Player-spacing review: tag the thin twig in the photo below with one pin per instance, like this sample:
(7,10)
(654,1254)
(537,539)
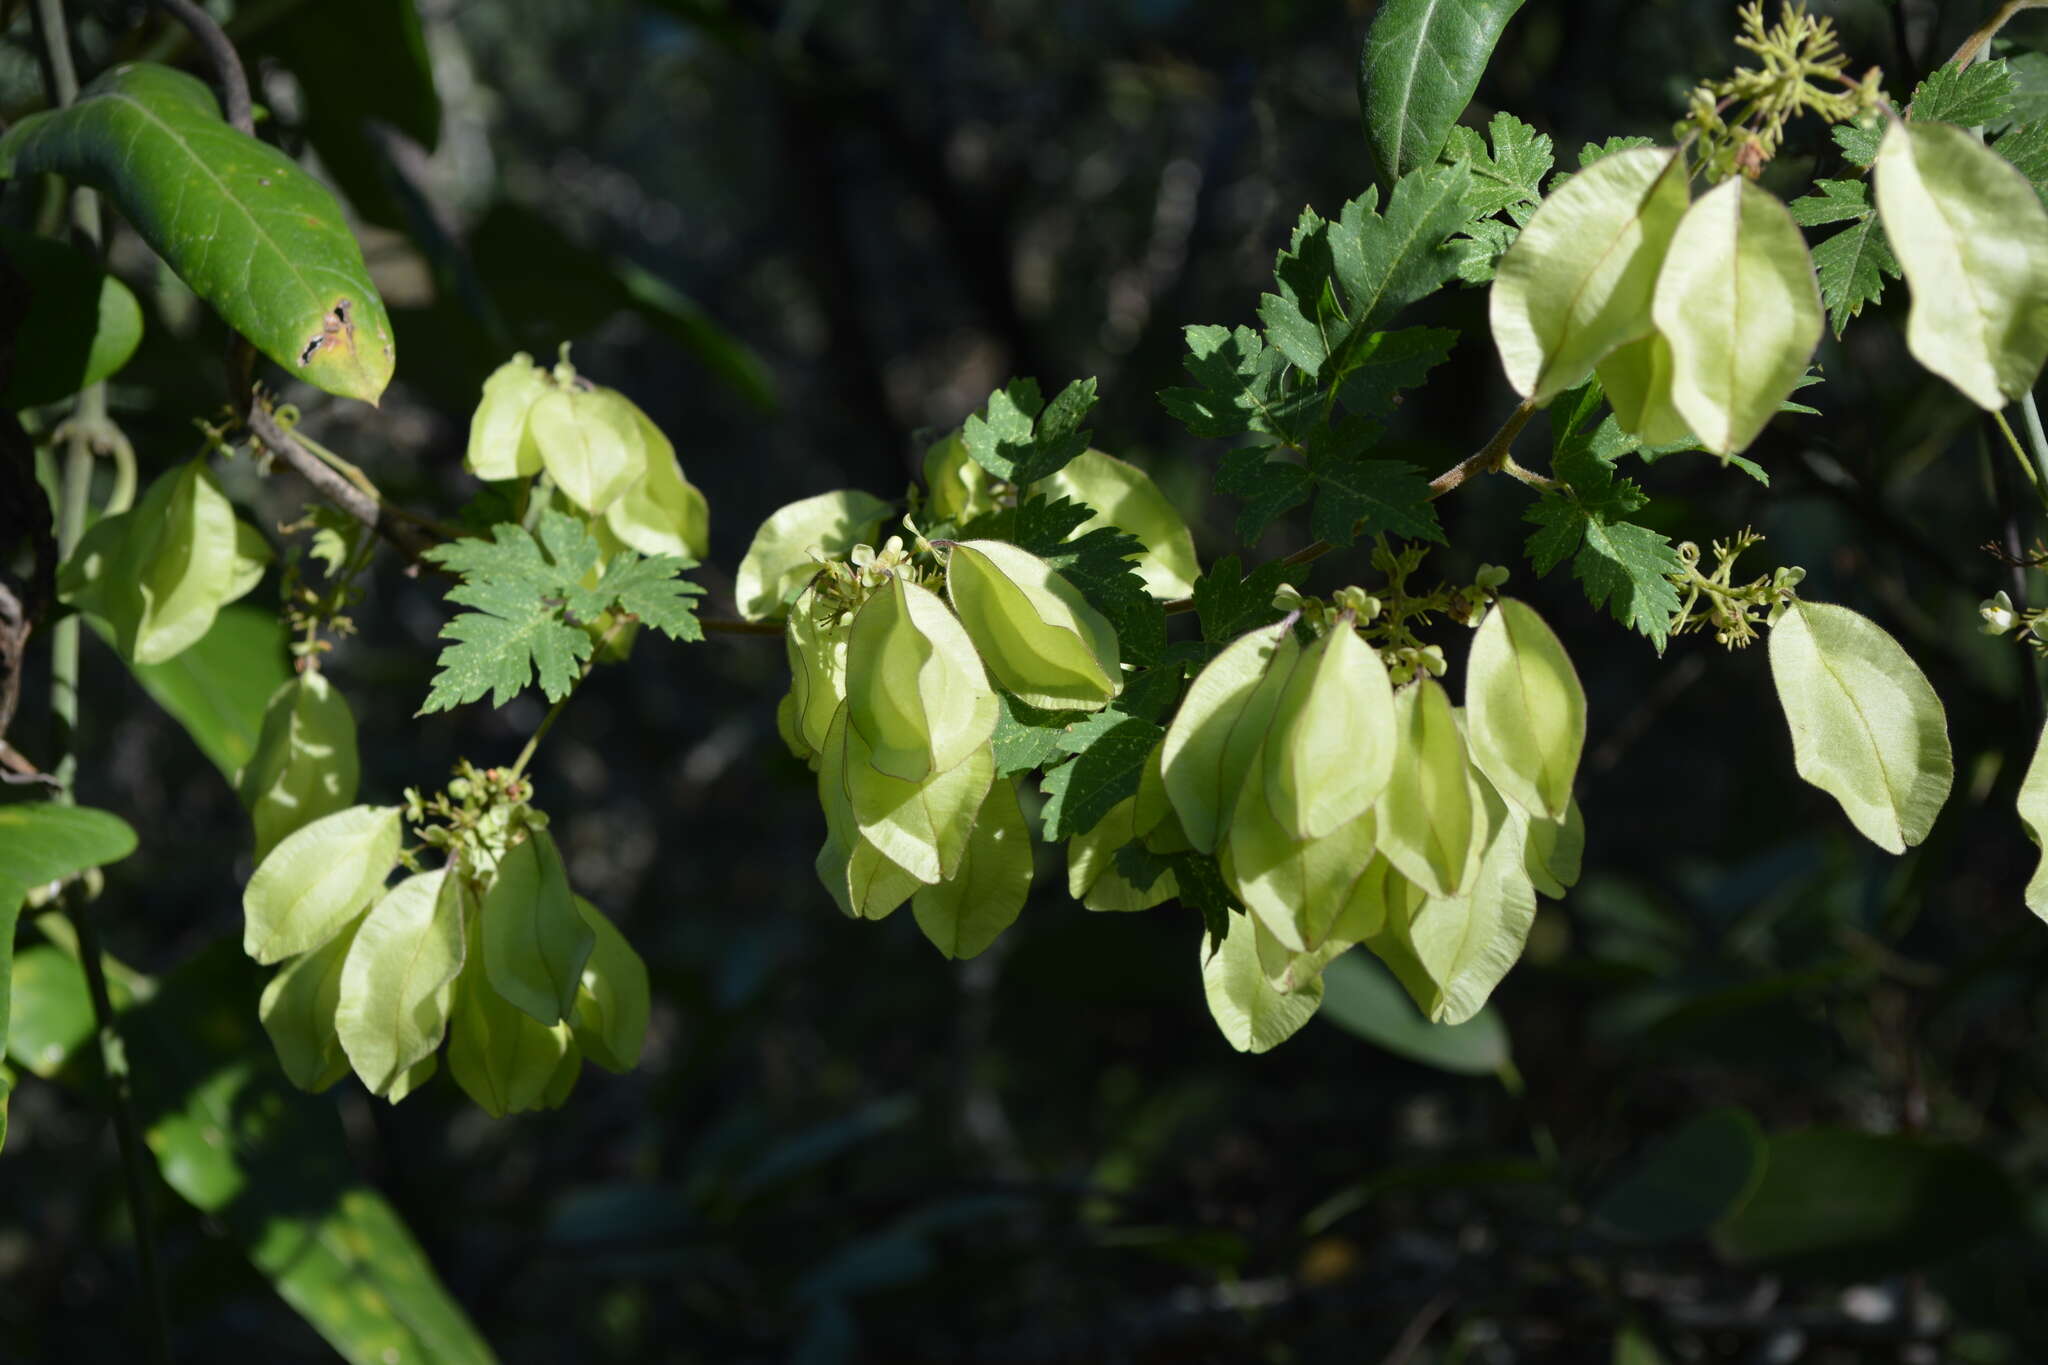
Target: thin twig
(366,507)
(227,63)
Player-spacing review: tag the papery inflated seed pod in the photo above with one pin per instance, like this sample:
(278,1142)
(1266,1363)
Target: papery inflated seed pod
(915,688)
(1525,710)
(1033,629)
(500,446)
(815,641)
(1330,749)
(1221,723)
(790,545)
(964,913)
(861,880)
(1432,824)
(610,1018)
(956,488)
(503,1058)
(1125,497)
(305,762)
(591,443)
(1296,888)
(535,944)
(661,512)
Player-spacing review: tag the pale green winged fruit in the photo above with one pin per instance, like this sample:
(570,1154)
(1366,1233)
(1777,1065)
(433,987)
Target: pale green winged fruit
(1637,381)
(1330,750)
(660,513)
(317,880)
(1036,633)
(1204,759)
(1971,237)
(957,489)
(535,944)
(297,1010)
(1555,850)
(305,762)
(1295,888)
(1525,711)
(500,446)
(815,640)
(610,1019)
(1432,827)
(1125,497)
(924,826)
(590,443)
(862,881)
(916,691)
(1740,308)
(2033,809)
(501,1056)
(397,984)
(1252,1015)
(795,540)
(965,913)
(1578,280)
(1867,727)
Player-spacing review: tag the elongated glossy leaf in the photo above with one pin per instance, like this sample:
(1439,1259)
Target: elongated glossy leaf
(1125,497)
(218,687)
(1867,727)
(963,915)
(1422,61)
(534,941)
(1740,307)
(610,1022)
(41,842)
(1360,997)
(2033,808)
(305,763)
(84,322)
(1431,824)
(271,1168)
(786,550)
(1252,1015)
(1578,281)
(1686,1181)
(298,1008)
(254,235)
(49,1010)
(317,880)
(1972,238)
(1525,711)
(397,981)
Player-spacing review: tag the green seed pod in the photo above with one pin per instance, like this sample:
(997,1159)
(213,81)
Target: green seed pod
(863,882)
(1221,723)
(590,442)
(397,984)
(500,446)
(610,1019)
(956,488)
(1296,888)
(1125,497)
(1039,637)
(1092,876)
(304,766)
(662,513)
(1432,823)
(535,944)
(297,1011)
(969,910)
(789,546)
(815,642)
(924,826)
(1330,751)
(1252,1015)
(1288,971)
(1554,850)
(500,1055)
(1525,710)
(1637,379)
(915,689)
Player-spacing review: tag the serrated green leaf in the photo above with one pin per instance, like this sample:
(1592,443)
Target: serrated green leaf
(1025,737)
(1852,266)
(254,236)
(1243,386)
(1228,605)
(651,590)
(1378,368)
(1018,437)
(1838,201)
(1356,496)
(1623,568)
(1110,749)
(1968,96)
(1508,177)
(1269,488)
(1124,497)
(1421,62)
(1867,727)
(2027,149)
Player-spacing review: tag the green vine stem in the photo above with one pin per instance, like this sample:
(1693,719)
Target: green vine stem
(88,430)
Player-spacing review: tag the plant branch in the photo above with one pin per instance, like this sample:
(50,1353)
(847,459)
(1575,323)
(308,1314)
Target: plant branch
(364,503)
(227,63)
(1489,458)
(1978,43)
(2019,454)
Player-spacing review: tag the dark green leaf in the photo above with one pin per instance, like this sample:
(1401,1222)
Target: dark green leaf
(254,235)
(1362,997)
(217,689)
(85,322)
(1018,438)
(2027,149)
(1100,565)
(1859,141)
(49,1016)
(1422,61)
(1025,736)
(41,842)
(1379,367)
(1356,496)
(1968,96)
(1687,1181)
(652,590)
(1857,1204)
(1269,488)
(1243,386)
(1852,265)
(1510,176)
(1838,201)
(1228,605)
(1110,749)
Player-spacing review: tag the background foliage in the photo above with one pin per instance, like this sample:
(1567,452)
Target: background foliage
(1756,1087)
